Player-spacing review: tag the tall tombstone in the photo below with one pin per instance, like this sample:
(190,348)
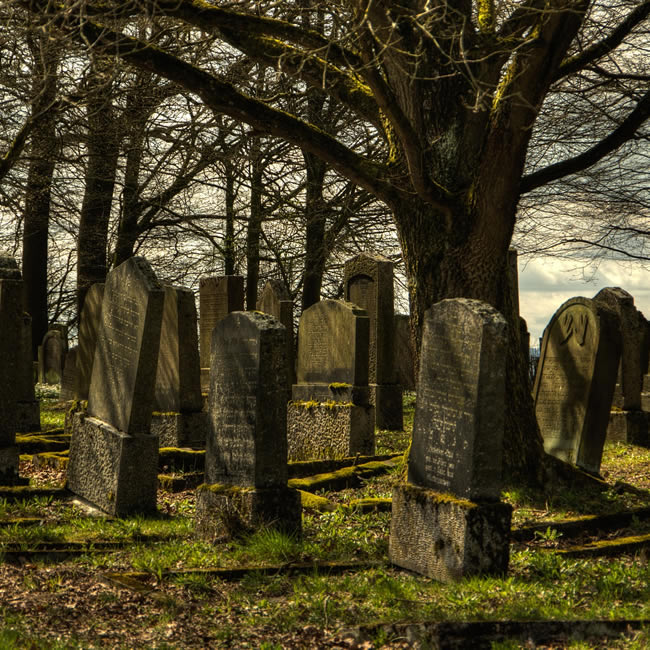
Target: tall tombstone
(368,282)
(627,422)
(404,361)
(276,301)
(28,415)
(178,419)
(330,414)
(447,521)
(91,315)
(113,456)
(11,359)
(246,452)
(576,376)
(51,356)
(218,296)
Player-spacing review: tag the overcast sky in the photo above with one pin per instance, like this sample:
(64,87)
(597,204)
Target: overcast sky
(545,283)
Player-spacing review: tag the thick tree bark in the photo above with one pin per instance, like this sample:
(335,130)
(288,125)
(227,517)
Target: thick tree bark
(254,227)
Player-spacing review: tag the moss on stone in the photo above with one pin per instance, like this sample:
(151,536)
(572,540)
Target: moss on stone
(425,494)
(221,488)
(311,501)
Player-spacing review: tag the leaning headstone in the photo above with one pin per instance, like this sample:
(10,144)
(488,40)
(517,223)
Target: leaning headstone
(178,420)
(51,356)
(11,361)
(575,380)
(28,415)
(218,296)
(113,455)
(404,362)
(276,301)
(330,414)
(69,379)
(368,283)
(447,521)
(246,452)
(91,315)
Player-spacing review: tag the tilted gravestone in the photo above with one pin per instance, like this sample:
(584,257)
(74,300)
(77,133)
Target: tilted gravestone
(90,319)
(218,296)
(276,301)
(246,451)
(12,358)
(575,380)
(28,415)
(447,521)
(627,422)
(368,283)
(51,356)
(69,378)
(330,415)
(113,456)
(178,419)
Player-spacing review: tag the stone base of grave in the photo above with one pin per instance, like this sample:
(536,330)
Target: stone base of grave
(228,511)
(446,538)
(9,459)
(115,471)
(317,430)
(630,427)
(180,429)
(28,416)
(387,400)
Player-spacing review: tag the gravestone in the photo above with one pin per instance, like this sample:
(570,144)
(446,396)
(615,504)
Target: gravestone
(246,451)
(404,362)
(218,296)
(276,301)
(575,380)
(51,356)
(28,414)
(368,283)
(91,315)
(178,420)
(330,415)
(69,379)
(12,360)
(447,521)
(113,456)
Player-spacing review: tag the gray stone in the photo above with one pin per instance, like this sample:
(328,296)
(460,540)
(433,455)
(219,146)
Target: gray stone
(330,414)
(276,301)
(218,296)
(187,429)
(575,380)
(460,405)
(90,319)
(51,357)
(246,450)
(404,358)
(445,538)
(368,283)
(630,427)
(178,387)
(113,456)
(69,378)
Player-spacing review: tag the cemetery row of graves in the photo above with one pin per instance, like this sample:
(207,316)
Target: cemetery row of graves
(198,486)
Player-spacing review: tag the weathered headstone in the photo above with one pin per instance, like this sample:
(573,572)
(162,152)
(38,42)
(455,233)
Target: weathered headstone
(276,301)
(51,356)
(404,362)
(69,378)
(218,296)
(177,419)
(246,452)
(91,315)
(368,283)
(28,415)
(330,415)
(447,521)
(11,361)
(113,455)
(575,380)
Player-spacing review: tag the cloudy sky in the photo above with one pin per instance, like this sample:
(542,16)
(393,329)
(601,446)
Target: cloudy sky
(545,283)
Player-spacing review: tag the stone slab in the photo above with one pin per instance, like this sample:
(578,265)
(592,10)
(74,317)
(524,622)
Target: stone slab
(445,538)
(180,429)
(631,427)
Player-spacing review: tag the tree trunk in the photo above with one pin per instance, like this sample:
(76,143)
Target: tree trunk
(38,190)
(229,256)
(254,227)
(101,170)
